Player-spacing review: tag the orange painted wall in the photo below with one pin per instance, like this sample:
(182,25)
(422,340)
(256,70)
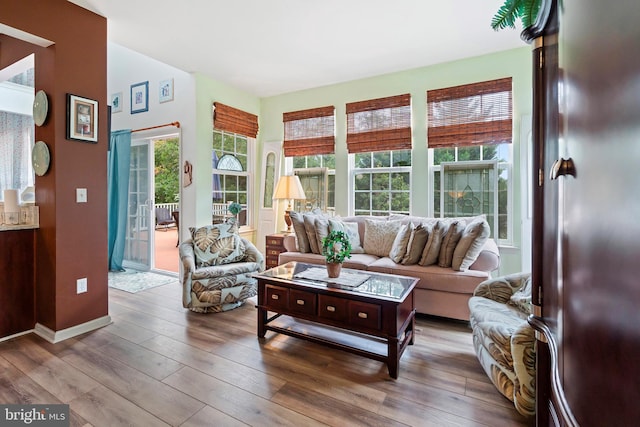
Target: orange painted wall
(72,240)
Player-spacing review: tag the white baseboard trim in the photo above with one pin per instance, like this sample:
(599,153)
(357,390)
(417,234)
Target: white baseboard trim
(57,336)
(16,335)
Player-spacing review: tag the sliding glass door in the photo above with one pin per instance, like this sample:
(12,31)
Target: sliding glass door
(140,226)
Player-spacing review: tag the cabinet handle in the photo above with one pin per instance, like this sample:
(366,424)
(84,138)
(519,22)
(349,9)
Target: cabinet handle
(362,315)
(300,302)
(274,296)
(331,308)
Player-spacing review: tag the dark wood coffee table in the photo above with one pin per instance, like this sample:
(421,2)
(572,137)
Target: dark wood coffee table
(375,319)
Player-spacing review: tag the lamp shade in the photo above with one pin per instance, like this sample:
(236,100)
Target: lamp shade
(289,187)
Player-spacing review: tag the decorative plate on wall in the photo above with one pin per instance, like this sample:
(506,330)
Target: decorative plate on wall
(40,158)
(40,108)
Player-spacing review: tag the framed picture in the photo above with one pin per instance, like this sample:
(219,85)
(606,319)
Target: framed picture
(140,97)
(116,102)
(82,118)
(166,91)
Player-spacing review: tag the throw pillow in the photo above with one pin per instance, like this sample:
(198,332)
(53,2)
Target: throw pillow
(416,244)
(379,236)
(310,229)
(400,243)
(217,244)
(351,228)
(521,299)
(322,230)
(471,243)
(431,250)
(449,242)
(297,220)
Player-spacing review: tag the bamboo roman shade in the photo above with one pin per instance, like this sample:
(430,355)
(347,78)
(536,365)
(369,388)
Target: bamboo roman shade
(309,132)
(379,124)
(231,119)
(477,113)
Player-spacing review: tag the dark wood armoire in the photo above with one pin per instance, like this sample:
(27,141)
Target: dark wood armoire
(586,229)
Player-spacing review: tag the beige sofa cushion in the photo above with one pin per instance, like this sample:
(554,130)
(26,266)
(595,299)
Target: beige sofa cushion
(471,243)
(431,250)
(400,243)
(379,236)
(297,220)
(416,244)
(449,242)
(322,230)
(310,229)
(351,228)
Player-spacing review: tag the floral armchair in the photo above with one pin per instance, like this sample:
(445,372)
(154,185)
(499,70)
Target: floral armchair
(218,269)
(503,339)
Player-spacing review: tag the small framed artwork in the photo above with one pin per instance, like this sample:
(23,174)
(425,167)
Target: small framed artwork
(82,118)
(116,102)
(166,91)
(140,97)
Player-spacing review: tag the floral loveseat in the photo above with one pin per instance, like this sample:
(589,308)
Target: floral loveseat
(502,338)
(450,256)
(218,268)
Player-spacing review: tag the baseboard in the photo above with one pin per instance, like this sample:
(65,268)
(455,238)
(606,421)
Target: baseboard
(16,335)
(57,336)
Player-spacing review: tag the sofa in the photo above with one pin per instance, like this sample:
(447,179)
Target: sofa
(450,256)
(218,268)
(504,341)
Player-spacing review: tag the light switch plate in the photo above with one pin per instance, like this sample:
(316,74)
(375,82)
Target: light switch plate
(81,285)
(81,195)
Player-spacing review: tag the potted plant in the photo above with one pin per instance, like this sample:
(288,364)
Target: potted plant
(513,10)
(234,208)
(336,247)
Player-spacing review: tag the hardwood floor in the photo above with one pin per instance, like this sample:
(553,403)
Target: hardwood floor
(159,364)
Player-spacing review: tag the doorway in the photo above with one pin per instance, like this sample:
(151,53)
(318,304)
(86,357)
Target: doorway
(154,201)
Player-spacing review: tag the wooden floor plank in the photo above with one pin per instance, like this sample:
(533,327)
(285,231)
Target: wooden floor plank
(240,404)
(146,392)
(160,364)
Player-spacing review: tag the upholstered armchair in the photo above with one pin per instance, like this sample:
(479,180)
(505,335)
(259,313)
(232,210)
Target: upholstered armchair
(502,338)
(218,267)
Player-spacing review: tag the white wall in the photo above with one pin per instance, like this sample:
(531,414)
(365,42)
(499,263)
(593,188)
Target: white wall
(127,67)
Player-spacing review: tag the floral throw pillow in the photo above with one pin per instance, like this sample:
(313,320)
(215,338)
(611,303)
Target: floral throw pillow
(217,244)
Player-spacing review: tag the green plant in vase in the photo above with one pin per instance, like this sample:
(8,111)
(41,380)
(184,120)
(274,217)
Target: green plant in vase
(336,247)
(234,209)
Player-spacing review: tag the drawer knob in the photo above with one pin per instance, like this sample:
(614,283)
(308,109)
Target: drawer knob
(331,308)
(274,296)
(300,302)
(362,315)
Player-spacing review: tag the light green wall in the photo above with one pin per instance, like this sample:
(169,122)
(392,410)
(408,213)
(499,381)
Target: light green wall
(208,91)
(514,63)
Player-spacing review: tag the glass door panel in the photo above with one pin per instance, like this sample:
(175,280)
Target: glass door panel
(139,225)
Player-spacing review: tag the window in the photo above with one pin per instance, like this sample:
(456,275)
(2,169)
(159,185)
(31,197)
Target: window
(232,158)
(469,136)
(379,139)
(309,139)
(17,131)
(382,183)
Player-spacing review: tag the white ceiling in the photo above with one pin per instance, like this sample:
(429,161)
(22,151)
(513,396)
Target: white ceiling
(270,47)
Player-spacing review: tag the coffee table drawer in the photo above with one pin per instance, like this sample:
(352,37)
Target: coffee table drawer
(302,302)
(333,308)
(364,314)
(276,296)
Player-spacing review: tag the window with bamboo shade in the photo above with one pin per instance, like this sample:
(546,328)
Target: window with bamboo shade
(229,119)
(471,114)
(381,124)
(309,132)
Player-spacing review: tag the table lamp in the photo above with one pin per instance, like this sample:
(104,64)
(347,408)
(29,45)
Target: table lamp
(289,188)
